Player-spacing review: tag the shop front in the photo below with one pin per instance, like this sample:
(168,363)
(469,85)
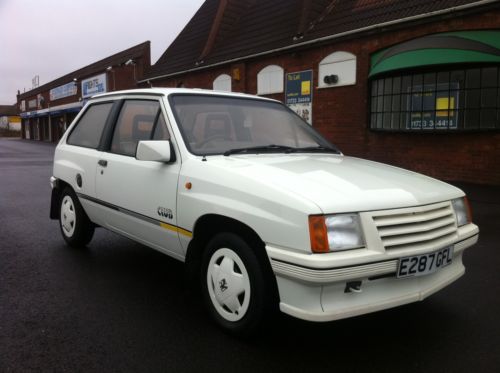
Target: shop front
(447,82)
(49,124)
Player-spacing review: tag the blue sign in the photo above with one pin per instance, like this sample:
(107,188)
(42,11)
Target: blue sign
(299,87)
(298,94)
(435,107)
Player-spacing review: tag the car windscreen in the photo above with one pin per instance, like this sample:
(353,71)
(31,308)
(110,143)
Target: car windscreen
(213,124)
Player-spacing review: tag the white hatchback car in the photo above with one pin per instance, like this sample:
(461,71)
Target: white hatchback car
(264,211)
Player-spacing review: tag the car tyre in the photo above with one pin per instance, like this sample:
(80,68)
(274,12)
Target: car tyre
(76,228)
(233,284)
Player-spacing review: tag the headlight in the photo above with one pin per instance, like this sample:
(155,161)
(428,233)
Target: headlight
(335,233)
(462,211)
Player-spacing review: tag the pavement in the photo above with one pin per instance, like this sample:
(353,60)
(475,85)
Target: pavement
(118,306)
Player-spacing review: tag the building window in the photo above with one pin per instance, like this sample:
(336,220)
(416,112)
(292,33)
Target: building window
(442,100)
(337,69)
(270,80)
(222,83)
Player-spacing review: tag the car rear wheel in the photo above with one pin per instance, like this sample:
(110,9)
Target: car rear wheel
(76,228)
(233,283)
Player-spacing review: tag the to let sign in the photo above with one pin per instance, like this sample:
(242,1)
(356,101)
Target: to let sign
(298,96)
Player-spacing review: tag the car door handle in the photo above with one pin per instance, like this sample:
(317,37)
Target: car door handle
(102,162)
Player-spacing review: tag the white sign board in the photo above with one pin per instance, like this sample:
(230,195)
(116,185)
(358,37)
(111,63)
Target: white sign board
(62,91)
(92,86)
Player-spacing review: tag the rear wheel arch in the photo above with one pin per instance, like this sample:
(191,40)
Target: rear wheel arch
(56,198)
(76,228)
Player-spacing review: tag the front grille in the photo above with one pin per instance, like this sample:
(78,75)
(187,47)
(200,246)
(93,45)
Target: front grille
(417,227)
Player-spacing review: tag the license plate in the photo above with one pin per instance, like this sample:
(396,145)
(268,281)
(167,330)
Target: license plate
(420,265)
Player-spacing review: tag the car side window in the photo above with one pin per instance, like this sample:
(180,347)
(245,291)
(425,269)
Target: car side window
(87,132)
(161,131)
(138,120)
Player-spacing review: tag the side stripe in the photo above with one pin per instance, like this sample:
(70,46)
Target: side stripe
(136,215)
(176,229)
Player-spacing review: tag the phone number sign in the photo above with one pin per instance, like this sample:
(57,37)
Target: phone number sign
(298,93)
(299,87)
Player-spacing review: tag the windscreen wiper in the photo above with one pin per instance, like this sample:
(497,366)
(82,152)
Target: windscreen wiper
(313,149)
(257,149)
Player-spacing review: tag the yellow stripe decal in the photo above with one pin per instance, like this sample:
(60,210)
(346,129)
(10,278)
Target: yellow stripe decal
(136,215)
(176,229)
(185,232)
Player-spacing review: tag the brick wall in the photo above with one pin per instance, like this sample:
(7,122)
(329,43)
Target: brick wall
(123,79)
(342,114)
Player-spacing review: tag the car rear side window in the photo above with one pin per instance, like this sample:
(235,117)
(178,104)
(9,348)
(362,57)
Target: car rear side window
(88,130)
(138,120)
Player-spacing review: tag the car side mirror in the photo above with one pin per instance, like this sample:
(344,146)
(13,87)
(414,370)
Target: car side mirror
(157,151)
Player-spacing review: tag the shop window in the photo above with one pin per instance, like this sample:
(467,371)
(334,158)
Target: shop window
(37,129)
(337,69)
(444,100)
(270,80)
(45,128)
(222,83)
(26,125)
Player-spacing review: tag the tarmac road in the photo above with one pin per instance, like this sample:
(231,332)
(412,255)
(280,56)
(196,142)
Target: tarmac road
(118,306)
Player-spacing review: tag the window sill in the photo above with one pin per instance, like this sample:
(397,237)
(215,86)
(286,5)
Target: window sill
(335,86)
(269,93)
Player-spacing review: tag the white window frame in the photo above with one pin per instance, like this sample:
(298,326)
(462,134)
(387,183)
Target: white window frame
(270,80)
(343,64)
(222,83)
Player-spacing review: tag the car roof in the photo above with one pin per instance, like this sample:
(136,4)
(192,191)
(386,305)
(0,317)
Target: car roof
(169,91)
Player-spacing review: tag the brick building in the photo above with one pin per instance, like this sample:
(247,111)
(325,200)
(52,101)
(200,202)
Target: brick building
(410,83)
(9,118)
(46,111)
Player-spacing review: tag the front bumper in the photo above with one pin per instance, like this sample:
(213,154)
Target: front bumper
(313,286)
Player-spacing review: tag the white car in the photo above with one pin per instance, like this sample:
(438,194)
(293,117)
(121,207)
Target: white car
(264,211)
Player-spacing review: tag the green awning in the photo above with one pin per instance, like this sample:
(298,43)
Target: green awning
(438,49)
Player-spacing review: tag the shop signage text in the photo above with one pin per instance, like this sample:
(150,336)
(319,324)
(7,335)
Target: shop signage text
(94,85)
(433,108)
(62,91)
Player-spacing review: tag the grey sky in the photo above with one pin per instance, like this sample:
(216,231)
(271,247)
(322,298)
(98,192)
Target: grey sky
(51,38)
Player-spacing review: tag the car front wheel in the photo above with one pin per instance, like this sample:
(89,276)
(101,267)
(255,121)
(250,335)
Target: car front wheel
(233,283)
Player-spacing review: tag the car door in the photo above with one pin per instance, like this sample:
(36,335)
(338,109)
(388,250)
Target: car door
(140,196)
(80,149)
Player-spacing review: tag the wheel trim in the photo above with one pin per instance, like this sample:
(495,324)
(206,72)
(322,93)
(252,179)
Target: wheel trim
(68,216)
(228,284)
